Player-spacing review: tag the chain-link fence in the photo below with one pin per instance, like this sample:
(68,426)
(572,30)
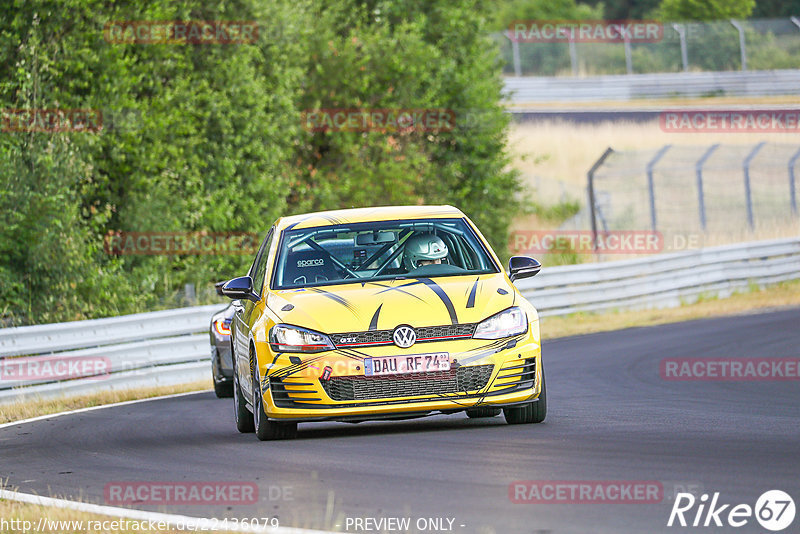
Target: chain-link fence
(758,44)
(713,189)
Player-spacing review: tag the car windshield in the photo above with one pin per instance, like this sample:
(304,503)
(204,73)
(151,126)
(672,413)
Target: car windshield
(381,250)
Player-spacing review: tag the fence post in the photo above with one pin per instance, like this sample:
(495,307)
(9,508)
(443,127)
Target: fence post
(650,185)
(573,55)
(742,48)
(628,55)
(747,194)
(681,29)
(792,191)
(698,167)
(514,53)
(590,176)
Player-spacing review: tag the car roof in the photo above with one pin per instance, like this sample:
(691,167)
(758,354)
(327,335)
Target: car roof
(357,215)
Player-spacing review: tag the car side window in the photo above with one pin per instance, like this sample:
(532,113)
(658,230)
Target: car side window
(260,265)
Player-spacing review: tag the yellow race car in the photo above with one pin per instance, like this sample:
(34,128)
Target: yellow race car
(381,313)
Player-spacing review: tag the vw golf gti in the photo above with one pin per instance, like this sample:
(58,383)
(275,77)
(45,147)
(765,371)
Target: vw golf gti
(381,313)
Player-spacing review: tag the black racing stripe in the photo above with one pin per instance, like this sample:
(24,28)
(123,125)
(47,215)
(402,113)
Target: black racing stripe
(400,289)
(373,324)
(436,288)
(353,354)
(295,368)
(471,299)
(336,298)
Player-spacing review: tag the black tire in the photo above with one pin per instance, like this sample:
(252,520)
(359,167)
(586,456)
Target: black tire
(477,413)
(244,419)
(533,412)
(222,389)
(267,430)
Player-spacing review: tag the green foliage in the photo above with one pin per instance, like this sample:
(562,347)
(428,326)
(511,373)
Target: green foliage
(680,10)
(776,8)
(211,138)
(555,213)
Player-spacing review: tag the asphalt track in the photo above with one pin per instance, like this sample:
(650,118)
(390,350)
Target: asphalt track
(611,417)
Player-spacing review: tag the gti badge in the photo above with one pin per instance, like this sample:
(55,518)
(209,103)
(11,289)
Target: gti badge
(404,336)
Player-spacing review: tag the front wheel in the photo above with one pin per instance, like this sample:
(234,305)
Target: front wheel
(267,430)
(533,412)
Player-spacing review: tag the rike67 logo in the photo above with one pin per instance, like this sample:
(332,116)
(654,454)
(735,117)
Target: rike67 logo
(774,510)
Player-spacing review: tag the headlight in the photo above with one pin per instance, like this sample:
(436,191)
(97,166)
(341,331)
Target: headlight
(285,338)
(507,323)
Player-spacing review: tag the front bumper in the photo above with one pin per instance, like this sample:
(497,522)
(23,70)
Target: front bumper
(490,373)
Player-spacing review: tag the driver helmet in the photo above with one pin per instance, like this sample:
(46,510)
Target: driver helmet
(423,247)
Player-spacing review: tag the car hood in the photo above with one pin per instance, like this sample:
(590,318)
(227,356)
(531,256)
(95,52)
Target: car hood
(382,305)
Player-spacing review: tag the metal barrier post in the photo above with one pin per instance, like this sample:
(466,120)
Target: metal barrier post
(650,184)
(681,29)
(747,194)
(573,56)
(698,167)
(628,55)
(742,49)
(792,191)
(590,176)
(515,54)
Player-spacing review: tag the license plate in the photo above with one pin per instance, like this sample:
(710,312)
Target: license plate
(412,363)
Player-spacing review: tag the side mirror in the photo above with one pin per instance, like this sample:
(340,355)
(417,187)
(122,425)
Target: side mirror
(240,288)
(523,267)
(218,288)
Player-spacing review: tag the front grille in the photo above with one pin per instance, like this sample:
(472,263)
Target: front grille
(384,337)
(463,379)
(445,331)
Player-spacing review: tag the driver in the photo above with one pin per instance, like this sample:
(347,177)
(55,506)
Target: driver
(423,249)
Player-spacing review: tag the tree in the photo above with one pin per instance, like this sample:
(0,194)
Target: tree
(680,10)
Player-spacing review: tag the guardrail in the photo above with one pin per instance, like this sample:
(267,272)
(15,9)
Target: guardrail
(623,87)
(664,280)
(140,350)
(172,346)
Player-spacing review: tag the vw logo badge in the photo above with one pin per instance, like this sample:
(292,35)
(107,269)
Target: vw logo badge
(404,336)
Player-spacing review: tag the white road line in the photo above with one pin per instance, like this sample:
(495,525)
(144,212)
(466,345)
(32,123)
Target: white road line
(185,522)
(92,408)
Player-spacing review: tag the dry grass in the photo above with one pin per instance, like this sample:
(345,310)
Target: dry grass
(554,157)
(23,410)
(550,152)
(778,296)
